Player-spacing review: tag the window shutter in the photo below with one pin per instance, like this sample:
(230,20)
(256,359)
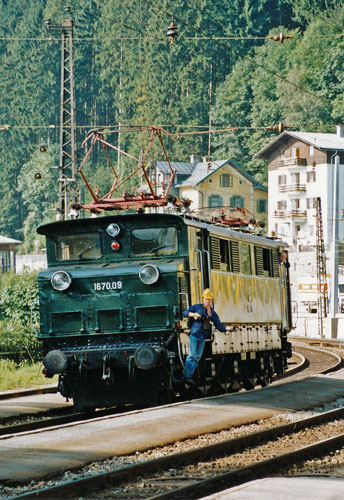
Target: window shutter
(235,256)
(259,261)
(275,263)
(215,253)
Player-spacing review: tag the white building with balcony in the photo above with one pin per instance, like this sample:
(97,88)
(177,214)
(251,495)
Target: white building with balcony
(301,167)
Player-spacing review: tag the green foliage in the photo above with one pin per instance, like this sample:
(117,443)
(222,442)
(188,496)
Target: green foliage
(127,73)
(13,376)
(18,293)
(298,83)
(37,183)
(304,11)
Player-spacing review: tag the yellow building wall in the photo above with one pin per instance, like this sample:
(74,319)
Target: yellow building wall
(241,186)
(259,194)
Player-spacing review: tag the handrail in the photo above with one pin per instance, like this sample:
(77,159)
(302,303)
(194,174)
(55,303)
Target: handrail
(201,265)
(209,270)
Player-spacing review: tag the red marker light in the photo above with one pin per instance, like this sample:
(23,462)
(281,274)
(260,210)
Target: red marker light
(115,245)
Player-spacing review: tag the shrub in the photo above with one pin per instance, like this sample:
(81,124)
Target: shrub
(26,375)
(17,293)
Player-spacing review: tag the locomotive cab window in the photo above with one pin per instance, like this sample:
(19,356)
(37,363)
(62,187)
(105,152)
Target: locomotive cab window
(225,263)
(154,240)
(267,263)
(78,246)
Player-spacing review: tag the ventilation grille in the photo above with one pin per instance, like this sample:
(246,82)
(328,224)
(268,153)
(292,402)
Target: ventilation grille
(235,256)
(275,263)
(259,261)
(183,284)
(109,320)
(215,253)
(67,322)
(151,317)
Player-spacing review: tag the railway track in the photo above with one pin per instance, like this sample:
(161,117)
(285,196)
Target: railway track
(320,342)
(178,476)
(309,360)
(317,360)
(31,391)
(43,423)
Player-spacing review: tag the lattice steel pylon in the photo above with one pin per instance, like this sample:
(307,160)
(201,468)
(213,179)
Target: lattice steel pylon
(321,270)
(67,178)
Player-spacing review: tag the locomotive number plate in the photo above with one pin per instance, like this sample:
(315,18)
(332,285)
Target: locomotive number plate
(103,286)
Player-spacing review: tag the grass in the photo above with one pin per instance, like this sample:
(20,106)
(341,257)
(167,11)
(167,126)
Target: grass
(13,376)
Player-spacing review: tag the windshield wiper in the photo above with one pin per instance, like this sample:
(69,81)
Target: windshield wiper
(162,246)
(86,250)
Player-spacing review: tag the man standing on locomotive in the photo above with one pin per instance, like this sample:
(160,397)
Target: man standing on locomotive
(202,315)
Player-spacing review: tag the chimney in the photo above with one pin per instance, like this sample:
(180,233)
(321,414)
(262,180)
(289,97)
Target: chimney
(206,159)
(195,159)
(340,130)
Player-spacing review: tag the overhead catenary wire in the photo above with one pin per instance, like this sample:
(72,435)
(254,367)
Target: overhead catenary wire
(199,31)
(204,37)
(248,58)
(133,128)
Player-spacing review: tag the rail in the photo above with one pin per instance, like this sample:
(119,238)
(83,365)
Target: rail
(214,483)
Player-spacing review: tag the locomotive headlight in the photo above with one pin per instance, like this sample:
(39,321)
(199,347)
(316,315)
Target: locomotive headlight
(113,230)
(149,274)
(61,280)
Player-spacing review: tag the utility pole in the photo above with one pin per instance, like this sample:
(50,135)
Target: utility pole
(321,270)
(334,245)
(67,179)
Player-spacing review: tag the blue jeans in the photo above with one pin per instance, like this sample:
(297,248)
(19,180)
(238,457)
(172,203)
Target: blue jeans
(196,346)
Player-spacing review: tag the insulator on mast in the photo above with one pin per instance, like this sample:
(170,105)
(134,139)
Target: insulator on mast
(172,32)
(279,127)
(279,38)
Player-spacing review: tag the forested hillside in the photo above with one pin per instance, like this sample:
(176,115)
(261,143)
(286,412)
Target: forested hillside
(221,71)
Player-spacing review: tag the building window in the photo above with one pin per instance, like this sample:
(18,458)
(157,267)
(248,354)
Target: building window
(295,204)
(261,206)
(226,180)
(282,180)
(5,260)
(311,150)
(215,201)
(236,201)
(295,152)
(282,205)
(282,153)
(295,178)
(311,203)
(311,176)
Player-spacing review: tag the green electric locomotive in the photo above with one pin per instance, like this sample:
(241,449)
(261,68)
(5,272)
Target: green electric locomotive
(112,301)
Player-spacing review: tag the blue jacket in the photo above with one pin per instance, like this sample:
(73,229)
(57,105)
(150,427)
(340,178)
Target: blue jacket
(197,325)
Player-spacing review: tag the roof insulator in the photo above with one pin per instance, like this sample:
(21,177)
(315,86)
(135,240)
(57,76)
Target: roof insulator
(279,38)
(172,32)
